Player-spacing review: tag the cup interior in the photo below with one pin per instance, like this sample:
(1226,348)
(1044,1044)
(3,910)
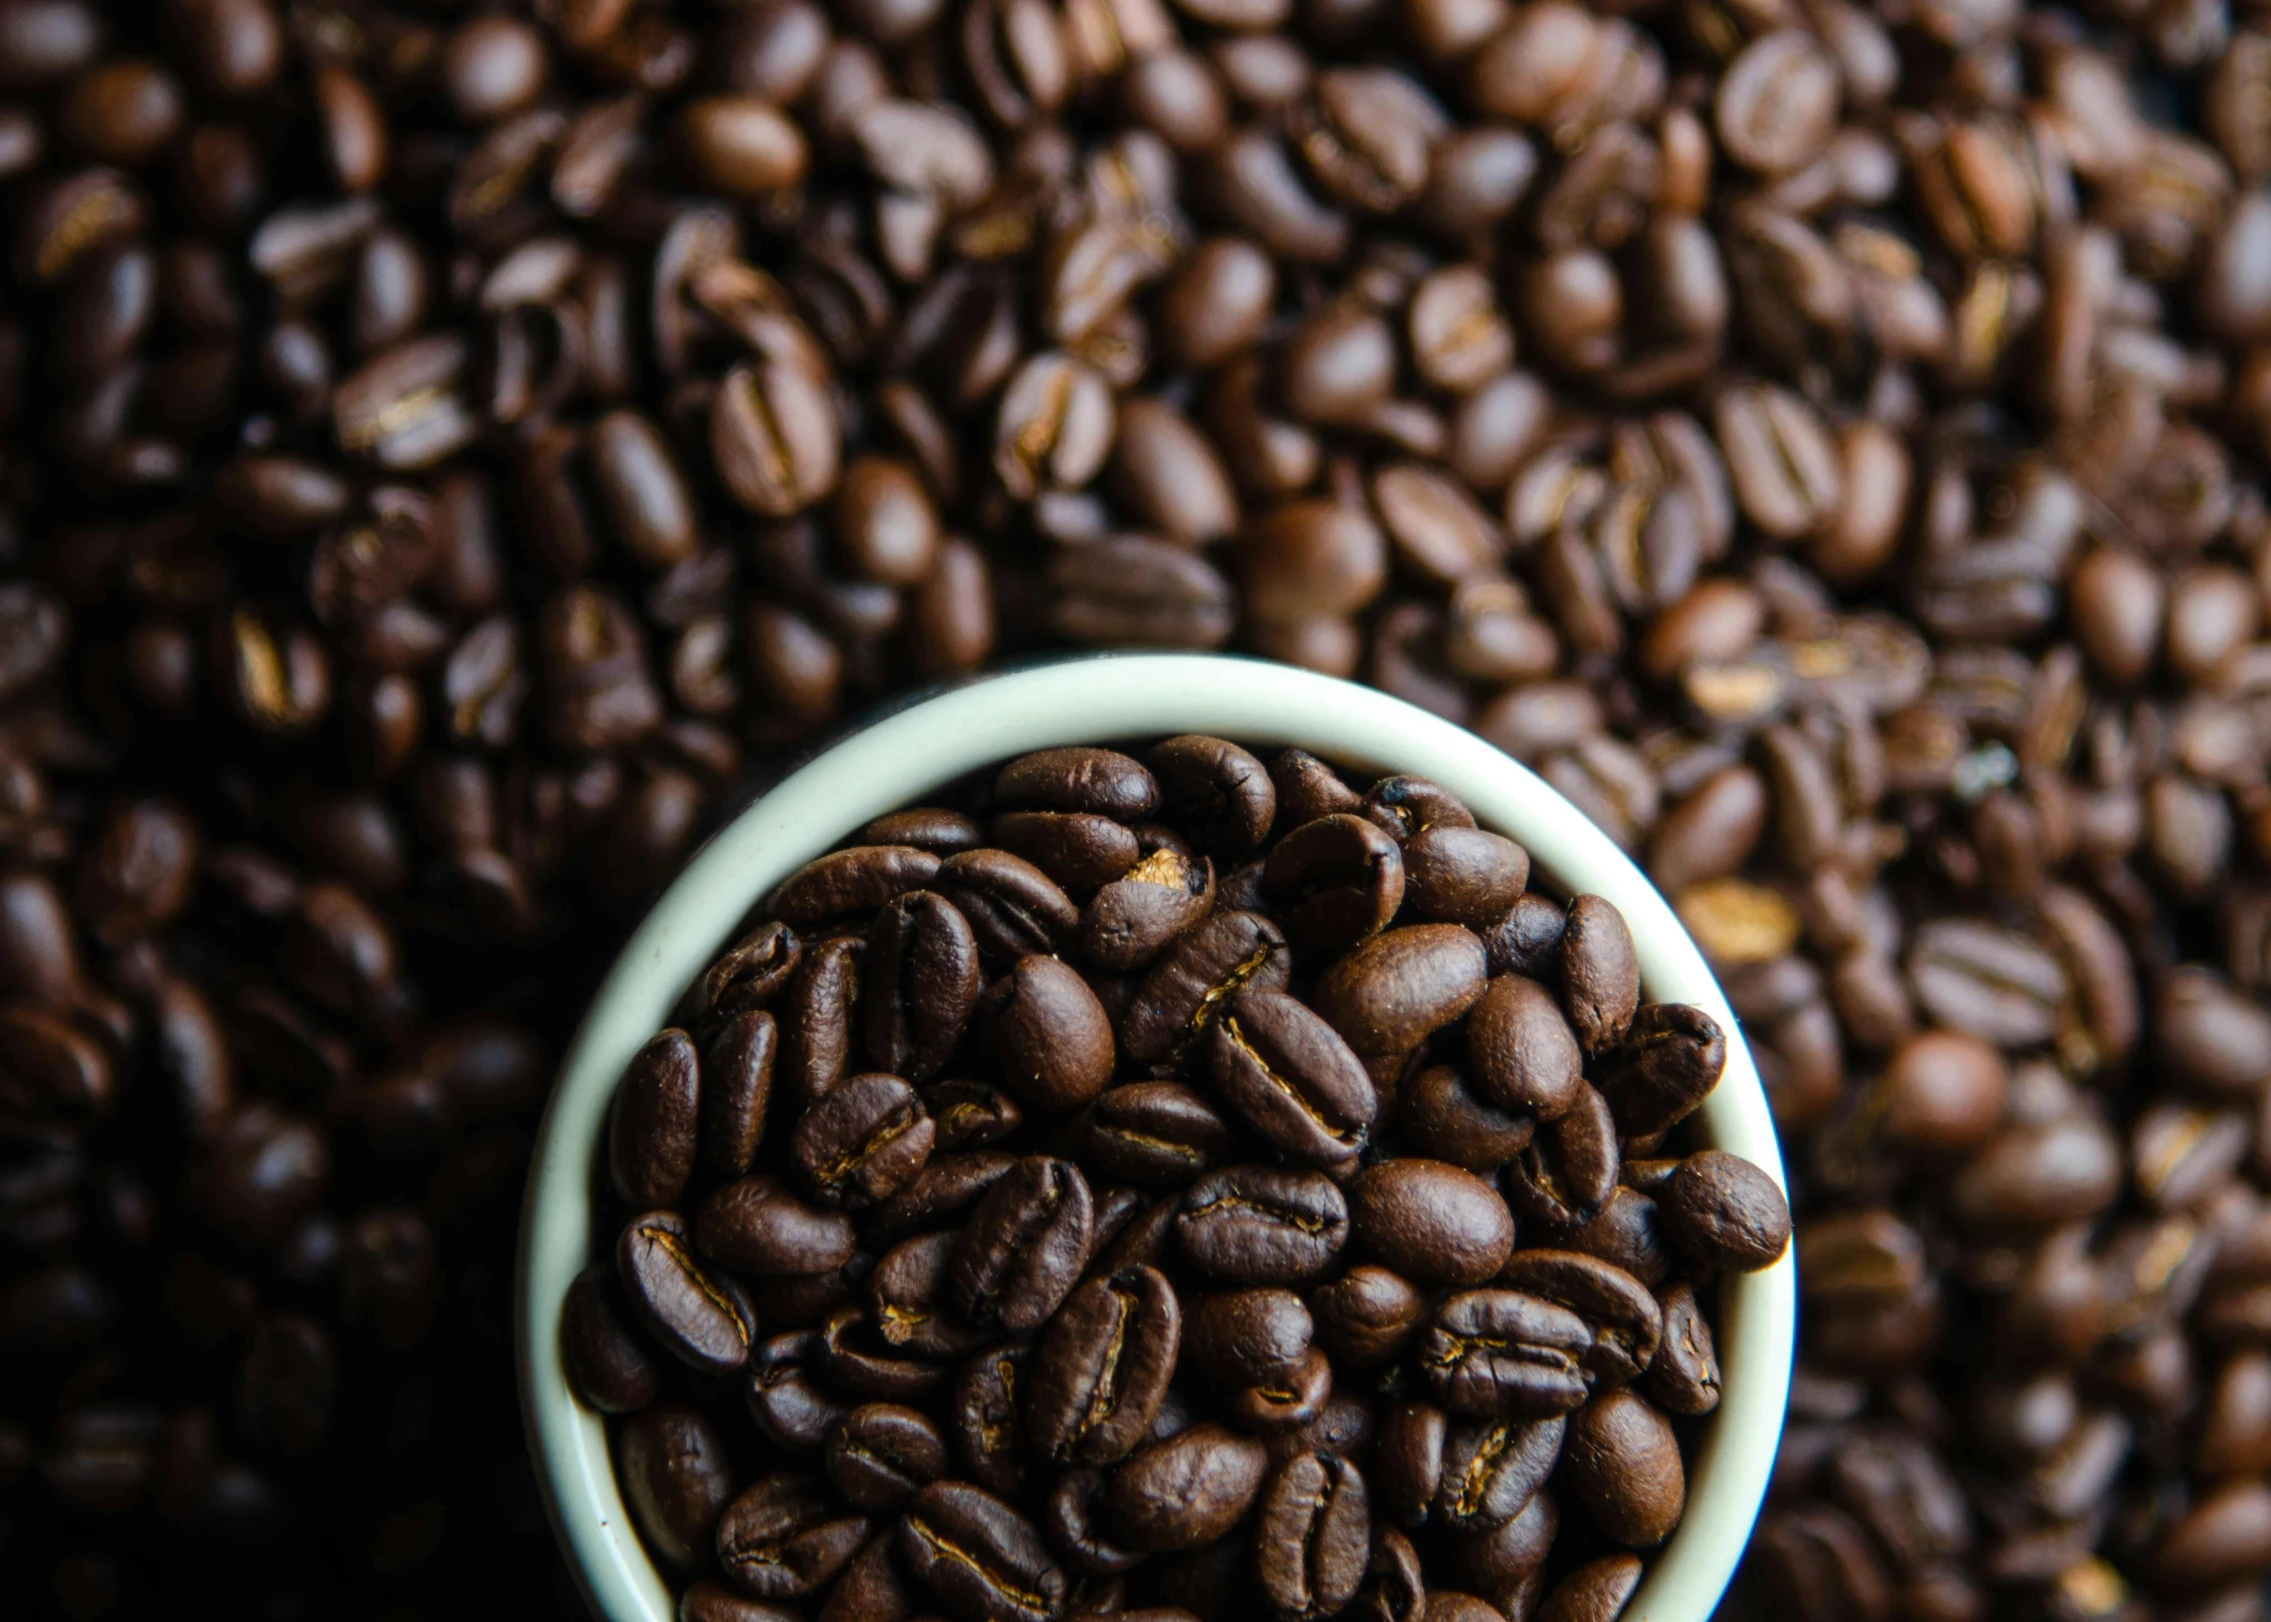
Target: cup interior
(918,749)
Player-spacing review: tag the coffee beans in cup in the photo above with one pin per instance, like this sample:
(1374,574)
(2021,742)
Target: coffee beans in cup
(1165,1180)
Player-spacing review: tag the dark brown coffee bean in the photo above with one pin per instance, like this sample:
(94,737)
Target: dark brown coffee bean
(676,1480)
(1334,881)
(610,1369)
(754,971)
(1243,1337)
(1439,1115)
(651,1131)
(755,1225)
(1184,991)
(1463,875)
(1187,1490)
(1078,849)
(1313,1535)
(910,1306)
(1261,1225)
(1156,1134)
(1683,1378)
(1101,781)
(1527,940)
(781,1537)
(1049,1035)
(1218,790)
(922,982)
(1600,977)
(1720,1208)
(1073,1519)
(846,883)
(1291,1079)
(1024,1246)
(1129,921)
(784,1395)
(1595,1592)
(985,1416)
(1492,1469)
(1521,1051)
(1430,1221)
(817,1016)
(1565,1176)
(983,1560)
(1626,1322)
(1667,1064)
(1101,1373)
(1013,907)
(1368,1315)
(700,1316)
(1398,988)
(1624,1468)
(1499,1352)
(737,1085)
(862,1141)
(882,1453)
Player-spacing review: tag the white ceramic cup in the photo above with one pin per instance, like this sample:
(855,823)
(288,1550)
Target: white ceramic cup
(909,754)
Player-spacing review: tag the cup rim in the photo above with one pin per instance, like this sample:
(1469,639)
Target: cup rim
(921,746)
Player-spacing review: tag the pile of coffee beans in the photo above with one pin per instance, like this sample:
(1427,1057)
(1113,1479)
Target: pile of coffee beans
(448,447)
(1177,1185)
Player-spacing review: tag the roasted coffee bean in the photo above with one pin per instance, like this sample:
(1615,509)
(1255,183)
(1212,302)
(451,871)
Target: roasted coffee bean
(1430,1221)
(910,1300)
(755,1225)
(1397,989)
(862,1141)
(1683,1377)
(986,1418)
(1600,978)
(1527,940)
(1368,1315)
(1667,1064)
(1723,1209)
(881,1453)
(1187,1490)
(1261,1225)
(1595,1592)
(1624,1468)
(1024,1246)
(1101,781)
(1130,920)
(753,972)
(609,1366)
(983,1560)
(1463,875)
(1499,1352)
(1185,990)
(701,1316)
(818,1014)
(1312,1536)
(1011,906)
(922,982)
(1439,1114)
(1049,1034)
(1078,849)
(1493,1468)
(1072,1518)
(1565,1176)
(1290,1078)
(1156,1134)
(1216,789)
(850,882)
(1626,1322)
(676,1480)
(1627,1232)
(1521,1051)
(1247,1336)
(784,1396)
(1334,880)
(781,1538)
(737,1087)
(652,1132)
(1101,1373)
